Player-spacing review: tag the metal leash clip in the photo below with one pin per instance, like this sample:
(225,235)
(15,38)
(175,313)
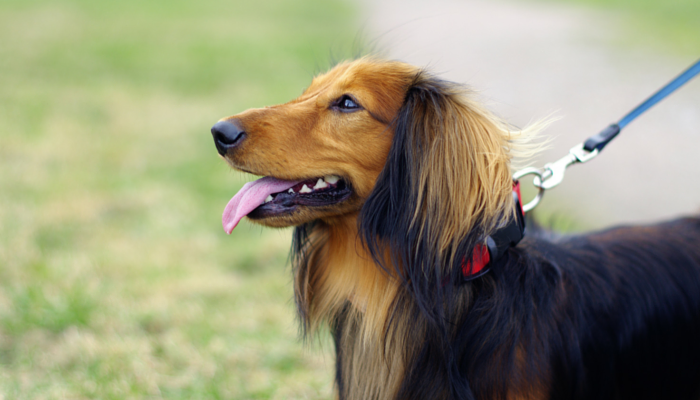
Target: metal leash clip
(553,173)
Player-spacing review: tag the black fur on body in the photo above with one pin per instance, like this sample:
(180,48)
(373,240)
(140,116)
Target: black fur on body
(609,315)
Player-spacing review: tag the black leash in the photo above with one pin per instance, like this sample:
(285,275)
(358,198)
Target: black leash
(553,173)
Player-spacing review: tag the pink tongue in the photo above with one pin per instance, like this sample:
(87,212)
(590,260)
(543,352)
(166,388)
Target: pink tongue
(250,197)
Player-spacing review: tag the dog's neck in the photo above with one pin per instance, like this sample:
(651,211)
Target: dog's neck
(351,266)
(333,268)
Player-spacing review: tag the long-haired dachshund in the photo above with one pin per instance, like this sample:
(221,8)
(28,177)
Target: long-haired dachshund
(394,181)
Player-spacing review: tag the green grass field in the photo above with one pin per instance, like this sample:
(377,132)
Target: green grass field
(116,278)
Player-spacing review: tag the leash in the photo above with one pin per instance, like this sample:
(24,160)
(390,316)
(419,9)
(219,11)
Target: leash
(484,255)
(553,173)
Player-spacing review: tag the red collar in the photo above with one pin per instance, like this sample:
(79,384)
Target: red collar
(497,244)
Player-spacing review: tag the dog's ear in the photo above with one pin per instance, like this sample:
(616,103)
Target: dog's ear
(446,184)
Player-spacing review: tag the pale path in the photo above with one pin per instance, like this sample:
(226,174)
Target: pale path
(530,60)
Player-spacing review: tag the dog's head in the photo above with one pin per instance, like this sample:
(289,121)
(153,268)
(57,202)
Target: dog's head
(413,153)
(320,153)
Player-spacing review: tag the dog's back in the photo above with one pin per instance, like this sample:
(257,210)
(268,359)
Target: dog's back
(626,303)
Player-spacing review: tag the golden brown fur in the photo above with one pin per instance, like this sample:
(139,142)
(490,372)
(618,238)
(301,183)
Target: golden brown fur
(303,139)
(463,185)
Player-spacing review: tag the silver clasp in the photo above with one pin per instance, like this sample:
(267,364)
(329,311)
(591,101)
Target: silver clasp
(537,179)
(553,173)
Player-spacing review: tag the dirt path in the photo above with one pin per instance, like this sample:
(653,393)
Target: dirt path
(530,60)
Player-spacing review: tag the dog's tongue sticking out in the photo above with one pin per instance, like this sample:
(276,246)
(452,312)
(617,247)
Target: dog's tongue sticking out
(251,195)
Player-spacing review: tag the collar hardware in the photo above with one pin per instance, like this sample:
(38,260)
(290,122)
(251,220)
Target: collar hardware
(497,244)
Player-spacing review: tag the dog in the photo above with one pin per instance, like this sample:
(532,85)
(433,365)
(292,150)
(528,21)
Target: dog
(394,180)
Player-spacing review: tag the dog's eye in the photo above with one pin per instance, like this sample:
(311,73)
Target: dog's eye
(346,104)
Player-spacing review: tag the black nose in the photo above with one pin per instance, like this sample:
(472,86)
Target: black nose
(227,135)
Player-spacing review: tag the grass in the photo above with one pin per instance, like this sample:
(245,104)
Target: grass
(667,26)
(116,279)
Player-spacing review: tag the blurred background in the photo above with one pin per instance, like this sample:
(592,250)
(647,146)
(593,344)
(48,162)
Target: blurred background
(116,278)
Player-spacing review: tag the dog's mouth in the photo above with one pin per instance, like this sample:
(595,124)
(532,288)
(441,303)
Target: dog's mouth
(269,197)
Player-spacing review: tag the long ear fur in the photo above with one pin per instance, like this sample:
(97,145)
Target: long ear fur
(446,185)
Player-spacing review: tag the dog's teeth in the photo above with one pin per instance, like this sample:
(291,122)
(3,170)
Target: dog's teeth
(268,199)
(332,179)
(290,191)
(305,189)
(321,184)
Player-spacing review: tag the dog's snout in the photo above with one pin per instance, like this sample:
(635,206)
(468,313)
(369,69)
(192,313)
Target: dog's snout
(227,135)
